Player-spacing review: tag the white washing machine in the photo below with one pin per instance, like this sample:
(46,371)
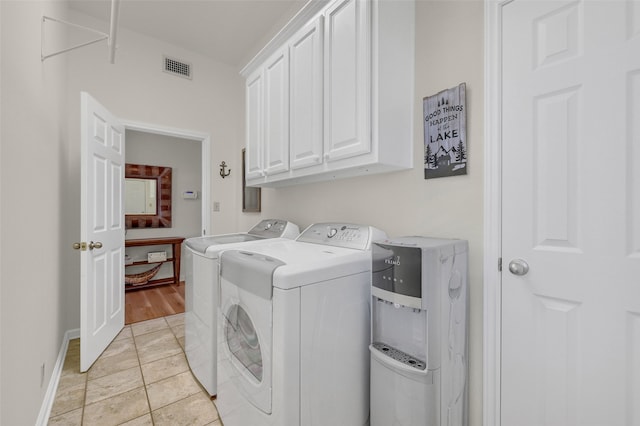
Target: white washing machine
(296,329)
(202,292)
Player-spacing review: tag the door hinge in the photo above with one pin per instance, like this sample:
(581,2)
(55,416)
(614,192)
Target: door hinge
(500,264)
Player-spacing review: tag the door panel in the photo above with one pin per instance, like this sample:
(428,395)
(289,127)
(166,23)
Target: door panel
(102,217)
(306,96)
(276,131)
(254,128)
(570,210)
(347,80)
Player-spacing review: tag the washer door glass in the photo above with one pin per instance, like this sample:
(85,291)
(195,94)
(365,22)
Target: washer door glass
(242,340)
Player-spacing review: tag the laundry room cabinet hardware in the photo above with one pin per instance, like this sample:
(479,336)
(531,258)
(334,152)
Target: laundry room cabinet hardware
(176,247)
(331,96)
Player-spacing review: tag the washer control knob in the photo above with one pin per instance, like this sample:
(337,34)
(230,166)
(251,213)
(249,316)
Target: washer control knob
(332,232)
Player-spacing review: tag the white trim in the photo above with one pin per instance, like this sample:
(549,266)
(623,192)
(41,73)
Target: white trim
(50,395)
(206,186)
(206,160)
(1,210)
(492,213)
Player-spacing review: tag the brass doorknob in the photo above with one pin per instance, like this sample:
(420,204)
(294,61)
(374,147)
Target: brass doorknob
(97,245)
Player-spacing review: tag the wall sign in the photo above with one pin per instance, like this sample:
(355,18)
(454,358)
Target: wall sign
(445,133)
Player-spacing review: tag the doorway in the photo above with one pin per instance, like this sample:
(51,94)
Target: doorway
(188,156)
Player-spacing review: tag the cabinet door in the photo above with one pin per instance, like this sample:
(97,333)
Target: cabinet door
(347,79)
(305,58)
(276,130)
(255,110)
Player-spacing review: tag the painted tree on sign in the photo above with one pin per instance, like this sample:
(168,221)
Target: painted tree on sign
(461,153)
(428,156)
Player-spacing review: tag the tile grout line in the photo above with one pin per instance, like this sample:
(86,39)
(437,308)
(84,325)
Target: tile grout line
(144,382)
(134,337)
(202,389)
(168,356)
(84,397)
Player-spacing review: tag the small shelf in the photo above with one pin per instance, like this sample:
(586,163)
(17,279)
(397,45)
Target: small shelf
(176,247)
(144,262)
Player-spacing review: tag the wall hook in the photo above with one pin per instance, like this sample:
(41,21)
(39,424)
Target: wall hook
(223,172)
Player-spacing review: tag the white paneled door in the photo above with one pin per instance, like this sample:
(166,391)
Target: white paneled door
(102,229)
(571,213)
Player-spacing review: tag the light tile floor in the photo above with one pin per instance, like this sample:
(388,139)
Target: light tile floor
(142,378)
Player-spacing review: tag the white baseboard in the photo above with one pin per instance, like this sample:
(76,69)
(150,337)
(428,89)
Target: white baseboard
(50,395)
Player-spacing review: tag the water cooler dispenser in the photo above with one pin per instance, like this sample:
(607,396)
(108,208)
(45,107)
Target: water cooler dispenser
(419,353)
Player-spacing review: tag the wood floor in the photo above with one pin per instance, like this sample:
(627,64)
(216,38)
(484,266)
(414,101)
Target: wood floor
(155,302)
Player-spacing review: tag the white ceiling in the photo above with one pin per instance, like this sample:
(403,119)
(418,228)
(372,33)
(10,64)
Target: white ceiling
(229,31)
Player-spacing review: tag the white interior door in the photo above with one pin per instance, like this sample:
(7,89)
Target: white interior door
(571,211)
(102,216)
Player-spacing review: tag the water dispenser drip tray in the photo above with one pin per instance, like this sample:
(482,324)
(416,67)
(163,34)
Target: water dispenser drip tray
(399,356)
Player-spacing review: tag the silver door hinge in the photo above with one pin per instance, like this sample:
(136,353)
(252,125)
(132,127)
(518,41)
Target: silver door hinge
(500,264)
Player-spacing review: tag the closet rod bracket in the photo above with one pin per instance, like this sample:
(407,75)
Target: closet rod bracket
(111,37)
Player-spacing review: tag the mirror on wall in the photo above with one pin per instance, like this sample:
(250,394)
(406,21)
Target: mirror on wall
(140,196)
(147,196)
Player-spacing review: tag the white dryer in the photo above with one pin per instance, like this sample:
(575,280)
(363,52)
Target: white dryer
(202,292)
(296,329)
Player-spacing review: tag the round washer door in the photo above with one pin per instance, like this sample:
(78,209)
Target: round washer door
(241,338)
(247,343)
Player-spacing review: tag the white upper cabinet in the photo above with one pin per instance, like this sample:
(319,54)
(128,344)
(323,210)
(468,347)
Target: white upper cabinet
(254,129)
(305,93)
(347,80)
(276,113)
(332,95)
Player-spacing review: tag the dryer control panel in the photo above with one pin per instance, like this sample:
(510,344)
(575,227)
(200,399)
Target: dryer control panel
(274,228)
(345,235)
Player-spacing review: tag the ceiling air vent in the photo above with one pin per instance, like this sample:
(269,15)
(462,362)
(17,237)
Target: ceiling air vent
(175,67)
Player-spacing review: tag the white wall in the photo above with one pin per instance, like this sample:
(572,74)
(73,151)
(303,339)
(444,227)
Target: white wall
(33,176)
(449,51)
(136,89)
